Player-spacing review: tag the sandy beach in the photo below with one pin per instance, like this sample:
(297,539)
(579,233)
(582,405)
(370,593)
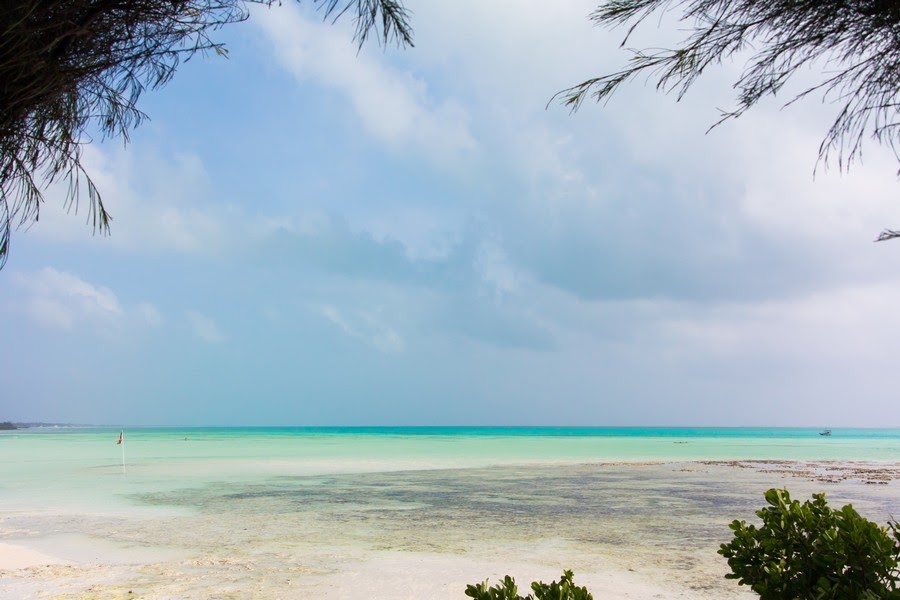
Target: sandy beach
(383,575)
(14,557)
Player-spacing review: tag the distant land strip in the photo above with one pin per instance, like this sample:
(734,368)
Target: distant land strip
(8,425)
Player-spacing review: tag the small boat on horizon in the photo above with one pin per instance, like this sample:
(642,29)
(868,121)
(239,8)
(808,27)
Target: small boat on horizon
(825,432)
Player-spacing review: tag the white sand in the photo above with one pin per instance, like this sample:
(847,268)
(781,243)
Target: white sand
(79,550)
(385,575)
(15,556)
(393,575)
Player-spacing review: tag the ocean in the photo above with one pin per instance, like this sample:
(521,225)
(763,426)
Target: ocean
(400,512)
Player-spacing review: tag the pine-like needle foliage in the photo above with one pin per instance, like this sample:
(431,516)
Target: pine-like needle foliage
(854,44)
(68,64)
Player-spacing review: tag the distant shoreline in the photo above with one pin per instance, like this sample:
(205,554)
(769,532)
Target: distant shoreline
(11,425)
(587,430)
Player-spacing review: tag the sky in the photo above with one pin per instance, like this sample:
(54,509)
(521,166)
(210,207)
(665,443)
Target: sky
(304,234)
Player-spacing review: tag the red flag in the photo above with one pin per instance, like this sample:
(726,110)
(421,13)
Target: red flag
(120,438)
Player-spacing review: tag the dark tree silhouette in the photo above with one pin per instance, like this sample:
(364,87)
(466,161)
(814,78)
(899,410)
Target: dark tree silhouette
(854,44)
(66,65)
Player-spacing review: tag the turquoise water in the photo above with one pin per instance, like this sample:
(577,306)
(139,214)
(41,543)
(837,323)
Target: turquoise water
(74,463)
(258,507)
(346,449)
(476,445)
(505,431)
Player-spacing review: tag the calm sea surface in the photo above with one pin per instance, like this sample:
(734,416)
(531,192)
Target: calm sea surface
(258,507)
(76,463)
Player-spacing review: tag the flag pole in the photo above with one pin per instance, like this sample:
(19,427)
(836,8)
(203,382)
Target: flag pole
(121,442)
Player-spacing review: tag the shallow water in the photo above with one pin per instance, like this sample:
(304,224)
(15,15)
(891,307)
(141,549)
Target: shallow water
(247,513)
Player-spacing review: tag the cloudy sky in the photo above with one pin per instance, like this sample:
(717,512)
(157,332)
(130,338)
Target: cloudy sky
(304,235)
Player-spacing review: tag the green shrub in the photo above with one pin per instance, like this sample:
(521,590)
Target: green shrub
(563,589)
(811,551)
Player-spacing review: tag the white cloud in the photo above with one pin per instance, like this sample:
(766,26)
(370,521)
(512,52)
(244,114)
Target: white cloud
(64,301)
(495,270)
(204,327)
(61,300)
(849,325)
(782,196)
(393,105)
(50,313)
(367,327)
(515,52)
(156,205)
(150,315)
